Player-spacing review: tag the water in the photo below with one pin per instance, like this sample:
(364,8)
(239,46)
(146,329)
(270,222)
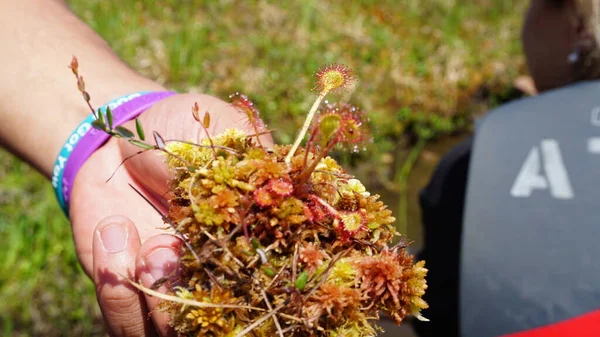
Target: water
(418,178)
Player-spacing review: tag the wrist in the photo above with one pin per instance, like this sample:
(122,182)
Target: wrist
(48,131)
(85,140)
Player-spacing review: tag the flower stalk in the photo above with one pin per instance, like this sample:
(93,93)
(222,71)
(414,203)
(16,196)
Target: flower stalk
(330,78)
(306,126)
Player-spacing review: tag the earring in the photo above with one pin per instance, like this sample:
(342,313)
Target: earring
(573,57)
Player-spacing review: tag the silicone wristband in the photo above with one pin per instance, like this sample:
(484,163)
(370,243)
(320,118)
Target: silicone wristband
(85,140)
(74,138)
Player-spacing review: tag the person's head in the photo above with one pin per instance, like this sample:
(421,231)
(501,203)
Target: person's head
(561,41)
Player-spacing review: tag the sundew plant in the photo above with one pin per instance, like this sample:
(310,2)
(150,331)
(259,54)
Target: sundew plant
(282,240)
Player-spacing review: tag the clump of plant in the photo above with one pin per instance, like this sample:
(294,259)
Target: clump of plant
(280,241)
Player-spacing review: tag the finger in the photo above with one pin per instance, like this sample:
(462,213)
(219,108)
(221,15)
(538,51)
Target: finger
(158,264)
(115,246)
(172,119)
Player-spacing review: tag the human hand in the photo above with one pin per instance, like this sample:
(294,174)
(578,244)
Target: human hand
(117,233)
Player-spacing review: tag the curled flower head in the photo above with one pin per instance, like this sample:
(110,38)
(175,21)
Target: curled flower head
(243,104)
(334,77)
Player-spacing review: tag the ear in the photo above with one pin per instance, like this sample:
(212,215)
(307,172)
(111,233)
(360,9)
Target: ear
(585,23)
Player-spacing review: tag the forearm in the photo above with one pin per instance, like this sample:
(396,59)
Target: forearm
(39,101)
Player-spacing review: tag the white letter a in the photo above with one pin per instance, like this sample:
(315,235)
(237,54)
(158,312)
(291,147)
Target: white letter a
(531,178)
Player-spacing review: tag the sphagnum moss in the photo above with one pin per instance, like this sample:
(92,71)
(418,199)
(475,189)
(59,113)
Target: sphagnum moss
(283,240)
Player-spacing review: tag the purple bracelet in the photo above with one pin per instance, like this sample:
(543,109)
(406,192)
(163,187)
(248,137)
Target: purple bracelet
(94,139)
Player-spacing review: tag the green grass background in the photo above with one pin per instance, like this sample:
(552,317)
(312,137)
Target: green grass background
(425,69)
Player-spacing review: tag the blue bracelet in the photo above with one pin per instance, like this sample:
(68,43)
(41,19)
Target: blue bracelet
(74,138)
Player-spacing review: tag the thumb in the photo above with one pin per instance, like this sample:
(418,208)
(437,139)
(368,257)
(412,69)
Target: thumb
(115,247)
(172,119)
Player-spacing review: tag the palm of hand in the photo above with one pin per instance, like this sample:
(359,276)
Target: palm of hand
(93,199)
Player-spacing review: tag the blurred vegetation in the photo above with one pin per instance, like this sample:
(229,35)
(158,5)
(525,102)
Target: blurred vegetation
(425,70)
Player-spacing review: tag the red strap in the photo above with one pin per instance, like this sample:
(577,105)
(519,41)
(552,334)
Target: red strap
(586,325)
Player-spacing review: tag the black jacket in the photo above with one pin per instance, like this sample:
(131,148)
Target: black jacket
(442,204)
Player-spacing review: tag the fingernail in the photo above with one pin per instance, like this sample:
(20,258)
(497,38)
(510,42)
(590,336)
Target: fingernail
(114,237)
(160,263)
